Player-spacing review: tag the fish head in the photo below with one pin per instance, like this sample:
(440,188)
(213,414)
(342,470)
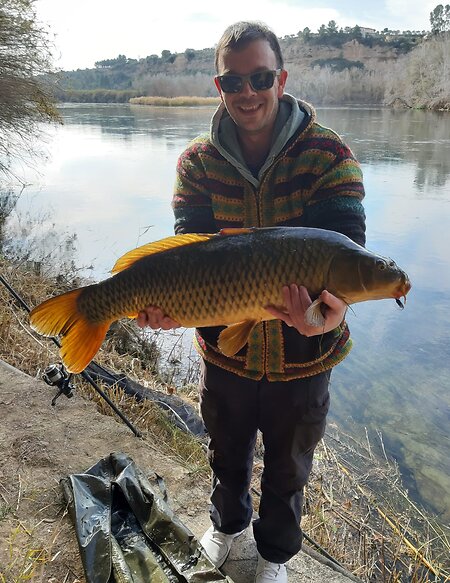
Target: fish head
(359,275)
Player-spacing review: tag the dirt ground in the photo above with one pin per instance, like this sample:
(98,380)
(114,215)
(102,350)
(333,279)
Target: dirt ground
(40,444)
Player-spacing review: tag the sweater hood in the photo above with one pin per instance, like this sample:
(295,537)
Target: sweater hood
(292,115)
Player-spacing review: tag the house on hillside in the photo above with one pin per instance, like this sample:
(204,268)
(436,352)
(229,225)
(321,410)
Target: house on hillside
(367,31)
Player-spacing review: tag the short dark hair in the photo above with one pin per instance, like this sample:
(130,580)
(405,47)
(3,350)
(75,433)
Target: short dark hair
(239,35)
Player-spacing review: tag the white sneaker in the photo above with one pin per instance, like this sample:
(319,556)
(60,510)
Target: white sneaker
(267,572)
(218,545)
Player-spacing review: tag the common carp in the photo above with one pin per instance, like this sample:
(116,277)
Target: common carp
(226,278)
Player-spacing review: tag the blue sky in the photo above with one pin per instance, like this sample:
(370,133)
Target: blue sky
(87,31)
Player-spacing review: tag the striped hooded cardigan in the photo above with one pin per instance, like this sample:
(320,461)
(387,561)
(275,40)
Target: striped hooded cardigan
(314,181)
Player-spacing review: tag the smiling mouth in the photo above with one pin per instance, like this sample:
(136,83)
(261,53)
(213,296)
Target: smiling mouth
(249,108)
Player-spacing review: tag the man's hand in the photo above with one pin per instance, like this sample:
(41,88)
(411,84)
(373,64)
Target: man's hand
(154,317)
(297,301)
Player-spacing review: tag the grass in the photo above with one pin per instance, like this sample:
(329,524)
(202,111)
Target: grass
(357,510)
(28,556)
(26,565)
(5,511)
(354,505)
(184,101)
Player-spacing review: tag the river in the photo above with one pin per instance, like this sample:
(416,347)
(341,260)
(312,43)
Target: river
(108,178)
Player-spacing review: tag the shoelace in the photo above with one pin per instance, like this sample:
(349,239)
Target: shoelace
(271,569)
(219,536)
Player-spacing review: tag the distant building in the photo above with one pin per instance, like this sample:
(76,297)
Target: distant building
(367,31)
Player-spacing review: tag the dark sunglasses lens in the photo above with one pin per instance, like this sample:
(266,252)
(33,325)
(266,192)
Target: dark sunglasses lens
(230,83)
(263,80)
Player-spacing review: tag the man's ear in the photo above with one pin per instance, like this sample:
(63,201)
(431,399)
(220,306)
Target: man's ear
(216,83)
(282,82)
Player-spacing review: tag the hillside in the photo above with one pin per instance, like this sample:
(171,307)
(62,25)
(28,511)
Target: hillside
(193,69)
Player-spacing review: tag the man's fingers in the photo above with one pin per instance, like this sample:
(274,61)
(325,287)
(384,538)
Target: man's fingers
(279,315)
(330,300)
(304,297)
(154,318)
(168,324)
(142,319)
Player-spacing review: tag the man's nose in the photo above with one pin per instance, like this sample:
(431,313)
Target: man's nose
(247,89)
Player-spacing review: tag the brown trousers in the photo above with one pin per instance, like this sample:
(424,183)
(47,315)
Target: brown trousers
(291,416)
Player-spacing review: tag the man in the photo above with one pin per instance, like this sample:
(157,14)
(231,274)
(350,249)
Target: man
(265,163)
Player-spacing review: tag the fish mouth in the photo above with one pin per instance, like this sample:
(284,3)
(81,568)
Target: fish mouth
(403,289)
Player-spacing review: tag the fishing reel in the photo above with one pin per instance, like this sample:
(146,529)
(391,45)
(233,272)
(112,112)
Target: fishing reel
(56,375)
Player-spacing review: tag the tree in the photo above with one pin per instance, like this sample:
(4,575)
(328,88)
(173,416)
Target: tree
(167,56)
(189,54)
(152,60)
(306,33)
(25,98)
(356,32)
(322,32)
(440,19)
(332,27)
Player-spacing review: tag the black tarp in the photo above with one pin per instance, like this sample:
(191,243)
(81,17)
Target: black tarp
(126,531)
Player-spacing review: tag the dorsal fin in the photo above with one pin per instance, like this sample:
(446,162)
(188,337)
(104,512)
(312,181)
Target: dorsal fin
(158,247)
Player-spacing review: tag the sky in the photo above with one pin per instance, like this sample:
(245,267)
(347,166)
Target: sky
(87,31)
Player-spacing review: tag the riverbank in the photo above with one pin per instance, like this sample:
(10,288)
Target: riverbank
(112,96)
(182,101)
(355,507)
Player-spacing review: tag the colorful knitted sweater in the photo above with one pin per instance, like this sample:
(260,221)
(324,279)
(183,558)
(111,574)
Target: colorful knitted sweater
(311,179)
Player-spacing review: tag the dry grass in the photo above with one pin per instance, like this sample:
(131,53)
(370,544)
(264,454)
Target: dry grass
(357,509)
(354,505)
(27,555)
(182,101)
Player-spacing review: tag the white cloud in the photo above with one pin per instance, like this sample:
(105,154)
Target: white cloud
(410,14)
(89,31)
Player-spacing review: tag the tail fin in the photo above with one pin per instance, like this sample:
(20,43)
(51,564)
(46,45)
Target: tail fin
(81,339)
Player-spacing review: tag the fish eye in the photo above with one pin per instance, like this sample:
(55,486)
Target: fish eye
(381,264)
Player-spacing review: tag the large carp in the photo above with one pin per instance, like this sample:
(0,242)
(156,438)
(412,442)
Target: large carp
(227,278)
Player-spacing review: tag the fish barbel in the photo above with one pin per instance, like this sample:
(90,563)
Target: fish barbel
(226,278)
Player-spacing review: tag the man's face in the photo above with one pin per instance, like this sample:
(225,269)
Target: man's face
(254,112)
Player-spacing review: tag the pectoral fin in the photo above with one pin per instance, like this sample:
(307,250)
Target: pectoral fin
(234,337)
(314,316)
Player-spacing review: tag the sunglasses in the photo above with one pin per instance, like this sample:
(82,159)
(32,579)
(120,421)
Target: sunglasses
(258,81)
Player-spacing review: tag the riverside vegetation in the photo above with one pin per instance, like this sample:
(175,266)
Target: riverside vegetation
(355,506)
(330,67)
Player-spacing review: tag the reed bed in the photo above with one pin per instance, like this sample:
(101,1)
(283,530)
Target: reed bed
(182,101)
(354,505)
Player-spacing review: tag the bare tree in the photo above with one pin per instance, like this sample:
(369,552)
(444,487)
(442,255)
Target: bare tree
(25,98)
(422,78)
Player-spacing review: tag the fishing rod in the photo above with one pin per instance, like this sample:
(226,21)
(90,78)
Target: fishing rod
(57,375)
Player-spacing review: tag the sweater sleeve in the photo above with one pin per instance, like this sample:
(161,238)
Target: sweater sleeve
(191,201)
(343,214)
(335,203)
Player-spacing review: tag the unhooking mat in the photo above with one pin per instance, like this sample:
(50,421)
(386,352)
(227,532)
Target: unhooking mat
(126,531)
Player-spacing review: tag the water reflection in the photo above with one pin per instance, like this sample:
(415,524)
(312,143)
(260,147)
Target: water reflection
(396,137)
(110,177)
